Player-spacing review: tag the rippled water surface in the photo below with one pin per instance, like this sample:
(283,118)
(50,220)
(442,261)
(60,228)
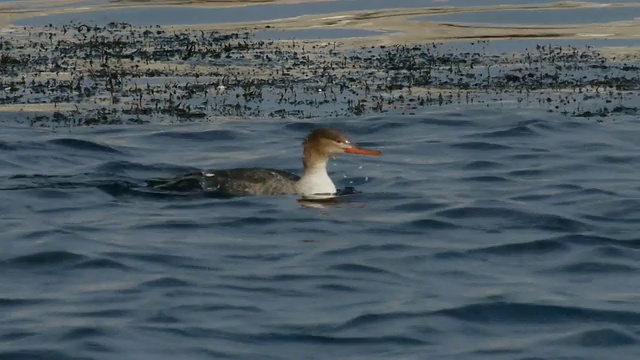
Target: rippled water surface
(481,233)
(542,17)
(175,13)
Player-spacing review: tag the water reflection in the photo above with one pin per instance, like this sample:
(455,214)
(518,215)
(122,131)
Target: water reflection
(559,16)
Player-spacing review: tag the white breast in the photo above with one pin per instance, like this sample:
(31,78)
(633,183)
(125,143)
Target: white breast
(315,183)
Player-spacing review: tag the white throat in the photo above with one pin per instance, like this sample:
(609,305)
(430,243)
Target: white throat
(315,182)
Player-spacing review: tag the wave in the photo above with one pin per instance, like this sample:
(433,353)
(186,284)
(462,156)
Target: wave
(419,206)
(167,260)
(516,218)
(165,282)
(511,313)
(84,145)
(593,267)
(44,259)
(600,338)
(338,340)
(359,268)
(368,248)
(118,167)
(479,145)
(602,246)
(84,332)
(512,132)
(37,355)
(102,264)
(429,224)
(536,247)
(20,302)
(486,179)
(499,313)
(206,135)
(483,165)
(7,146)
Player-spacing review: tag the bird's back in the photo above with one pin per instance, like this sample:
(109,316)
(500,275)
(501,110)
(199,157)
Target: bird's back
(233,182)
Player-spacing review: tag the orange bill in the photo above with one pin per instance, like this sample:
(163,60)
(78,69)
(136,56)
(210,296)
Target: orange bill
(359,151)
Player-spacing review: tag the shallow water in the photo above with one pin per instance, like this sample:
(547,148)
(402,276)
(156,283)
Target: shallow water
(150,14)
(190,15)
(481,233)
(561,17)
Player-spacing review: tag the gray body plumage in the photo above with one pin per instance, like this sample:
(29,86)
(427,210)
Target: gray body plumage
(232,182)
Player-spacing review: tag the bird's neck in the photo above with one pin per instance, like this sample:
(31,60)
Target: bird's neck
(315,181)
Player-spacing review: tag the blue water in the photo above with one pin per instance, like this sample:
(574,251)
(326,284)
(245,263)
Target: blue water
(188,15)
(541,17)
(480,234)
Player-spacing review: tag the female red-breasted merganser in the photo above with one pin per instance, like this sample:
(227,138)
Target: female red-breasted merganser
(319,146)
